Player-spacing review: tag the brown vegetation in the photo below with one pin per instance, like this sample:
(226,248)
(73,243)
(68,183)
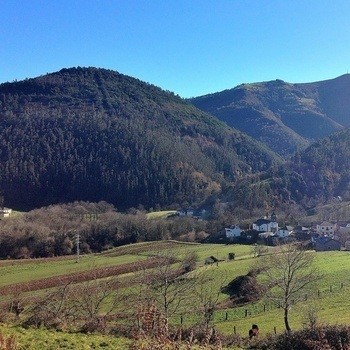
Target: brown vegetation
(52,231)
(316,338)
(153,333)
(244,289)
(7,343)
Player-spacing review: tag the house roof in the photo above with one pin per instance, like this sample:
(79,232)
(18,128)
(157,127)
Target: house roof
(6,210)
(260,222)
(326,223)
(324,240)
(343,224)
(211,258)
(300,228)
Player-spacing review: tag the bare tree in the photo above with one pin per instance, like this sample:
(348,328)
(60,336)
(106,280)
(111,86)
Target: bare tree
(207,292)
(52,310)
(259,249)
(168,285)
(88,304)
(288,272)
(95,300)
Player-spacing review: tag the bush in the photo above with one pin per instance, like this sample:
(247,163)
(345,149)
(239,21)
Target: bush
(7,343)
(244,288)
(319,338)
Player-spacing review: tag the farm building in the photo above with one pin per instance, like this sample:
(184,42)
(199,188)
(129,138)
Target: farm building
(210,260)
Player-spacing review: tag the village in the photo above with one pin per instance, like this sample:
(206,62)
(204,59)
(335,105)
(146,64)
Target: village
(324,236)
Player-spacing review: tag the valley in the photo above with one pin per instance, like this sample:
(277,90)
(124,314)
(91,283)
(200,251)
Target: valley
(143,185)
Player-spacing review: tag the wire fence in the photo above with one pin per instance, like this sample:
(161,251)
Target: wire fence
(258,308)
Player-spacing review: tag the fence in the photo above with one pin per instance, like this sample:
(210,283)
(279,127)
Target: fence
(256,309)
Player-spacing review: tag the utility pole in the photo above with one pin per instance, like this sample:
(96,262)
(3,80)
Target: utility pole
(91,217)
(78,246)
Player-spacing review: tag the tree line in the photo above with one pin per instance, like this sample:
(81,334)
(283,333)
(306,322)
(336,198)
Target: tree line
(52,231)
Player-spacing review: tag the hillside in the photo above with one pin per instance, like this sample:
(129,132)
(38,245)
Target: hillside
(319,174)
(94,134)
(61,327)
(284,116)
(324,167)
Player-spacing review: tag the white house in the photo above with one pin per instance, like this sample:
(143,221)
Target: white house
(326,228)
(283,232)
(185,212)
(265,225)
(233,231)
(5,212)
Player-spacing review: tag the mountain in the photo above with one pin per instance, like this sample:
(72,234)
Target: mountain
(316,175)
(94,134)
(286,117)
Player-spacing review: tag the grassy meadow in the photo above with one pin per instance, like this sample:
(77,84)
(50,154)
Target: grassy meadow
(329,299)
(38,339)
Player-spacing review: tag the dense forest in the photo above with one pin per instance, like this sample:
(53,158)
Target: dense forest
(317,175)
(88,134)
(93,134)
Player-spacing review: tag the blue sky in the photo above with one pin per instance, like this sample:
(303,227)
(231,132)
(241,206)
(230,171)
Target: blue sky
(190,47)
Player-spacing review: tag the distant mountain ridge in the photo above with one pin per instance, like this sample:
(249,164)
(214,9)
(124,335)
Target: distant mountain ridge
(94,134)
(286,117)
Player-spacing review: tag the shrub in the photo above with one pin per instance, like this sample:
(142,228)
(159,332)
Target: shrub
(7,343)
(318,338)
(244,288)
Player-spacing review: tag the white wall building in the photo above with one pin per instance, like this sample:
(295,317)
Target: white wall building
(233,231)
(326,228)
(5,212)
(283,232)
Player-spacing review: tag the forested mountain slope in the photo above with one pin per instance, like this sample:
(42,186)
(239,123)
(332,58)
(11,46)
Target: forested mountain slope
(94,134)
(284,116)
(316,175)
(325,167)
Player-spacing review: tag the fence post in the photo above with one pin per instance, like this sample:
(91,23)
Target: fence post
(246,312)
(275,330)
(264,307)
(318,293)
(234,329)
(330,289)
(181,319)
(226,316)
(341,285)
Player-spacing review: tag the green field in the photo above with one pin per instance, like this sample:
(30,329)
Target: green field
(160,214)
(37,339)
(329,298)
(34,270)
